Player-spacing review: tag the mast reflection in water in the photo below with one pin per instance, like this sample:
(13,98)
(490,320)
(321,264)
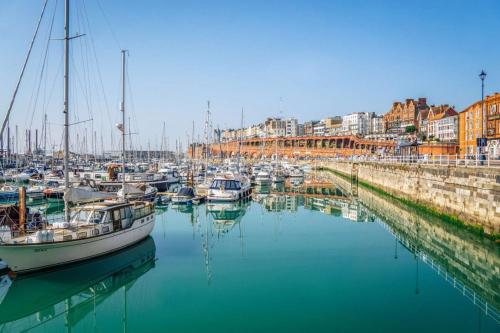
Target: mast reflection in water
(73,292)
(296,258)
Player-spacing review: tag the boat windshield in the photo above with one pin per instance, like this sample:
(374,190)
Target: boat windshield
(226,184)
(90,216)
(186,191)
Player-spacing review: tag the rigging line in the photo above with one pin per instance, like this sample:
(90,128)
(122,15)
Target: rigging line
(99,75)
(23,69)
(52,89)
(82,75)
(132,105)
(42,71)
(46,77)
(108,23)
(85,63)
(83,86)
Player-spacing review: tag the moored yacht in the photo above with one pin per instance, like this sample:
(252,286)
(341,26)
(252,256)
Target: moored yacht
(278,176)
(263,178)
(184,196)
(94,230)
(296,172)
(228,187)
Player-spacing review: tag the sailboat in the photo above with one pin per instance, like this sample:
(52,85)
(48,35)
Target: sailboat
(92,230)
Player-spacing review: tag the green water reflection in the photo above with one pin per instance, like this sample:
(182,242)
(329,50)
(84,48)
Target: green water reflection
(295,259)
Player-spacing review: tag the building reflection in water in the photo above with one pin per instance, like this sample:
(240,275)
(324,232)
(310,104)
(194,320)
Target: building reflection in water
(469,263)
(330,200)
(73,292)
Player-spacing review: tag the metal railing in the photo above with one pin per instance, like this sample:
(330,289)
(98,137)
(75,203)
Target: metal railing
(478,160)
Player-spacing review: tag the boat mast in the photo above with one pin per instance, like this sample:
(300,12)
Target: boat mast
(66,109)
(207,124)
(122,109)
(240,139)
(280,121)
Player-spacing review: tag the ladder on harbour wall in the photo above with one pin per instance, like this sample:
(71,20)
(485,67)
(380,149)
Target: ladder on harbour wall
(354,179)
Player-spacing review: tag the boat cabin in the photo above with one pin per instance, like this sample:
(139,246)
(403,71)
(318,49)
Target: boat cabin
(89,221)
(225,184)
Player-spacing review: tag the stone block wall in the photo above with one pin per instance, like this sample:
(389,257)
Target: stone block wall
(472,194)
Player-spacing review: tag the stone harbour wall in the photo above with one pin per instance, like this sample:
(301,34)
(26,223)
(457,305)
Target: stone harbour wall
(470,194)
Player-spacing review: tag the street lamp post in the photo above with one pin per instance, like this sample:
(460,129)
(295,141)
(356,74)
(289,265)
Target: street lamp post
(482,76)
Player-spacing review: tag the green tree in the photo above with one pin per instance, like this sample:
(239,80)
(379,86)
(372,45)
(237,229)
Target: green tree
(410,129)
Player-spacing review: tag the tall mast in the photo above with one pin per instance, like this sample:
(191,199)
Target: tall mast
(192,143)
(44,137)
(66,108)
(279,121)
(130,139)
(240,139)
(122,109)
(207,126)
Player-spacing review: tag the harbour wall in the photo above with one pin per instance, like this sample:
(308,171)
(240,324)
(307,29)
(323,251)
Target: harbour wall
(474,260)
(465,195)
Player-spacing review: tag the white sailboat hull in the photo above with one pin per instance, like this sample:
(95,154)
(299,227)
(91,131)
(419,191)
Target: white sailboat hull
(32,257)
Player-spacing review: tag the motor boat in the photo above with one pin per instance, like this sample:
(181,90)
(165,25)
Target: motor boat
(184,196)
(228,187)
(34,193)
(54,191)
(296,172)
(138,192)
(263,178)
(171,175)
(9,193)
(277,177)
(30,173)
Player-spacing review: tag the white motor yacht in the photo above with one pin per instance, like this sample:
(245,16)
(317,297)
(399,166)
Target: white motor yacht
(278,176)
(296,172)
(228,187)
(263,178)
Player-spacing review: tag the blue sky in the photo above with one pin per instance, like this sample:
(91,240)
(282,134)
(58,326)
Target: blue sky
(323,58)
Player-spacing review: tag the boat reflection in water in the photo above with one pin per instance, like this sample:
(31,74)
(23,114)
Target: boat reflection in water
(226,215)
(181,208)
(73,291)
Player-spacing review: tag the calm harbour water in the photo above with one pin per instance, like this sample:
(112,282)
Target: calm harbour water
(284,262)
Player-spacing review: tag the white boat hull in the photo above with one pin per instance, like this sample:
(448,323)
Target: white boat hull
(228,195)
(263,181)
(32,257)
